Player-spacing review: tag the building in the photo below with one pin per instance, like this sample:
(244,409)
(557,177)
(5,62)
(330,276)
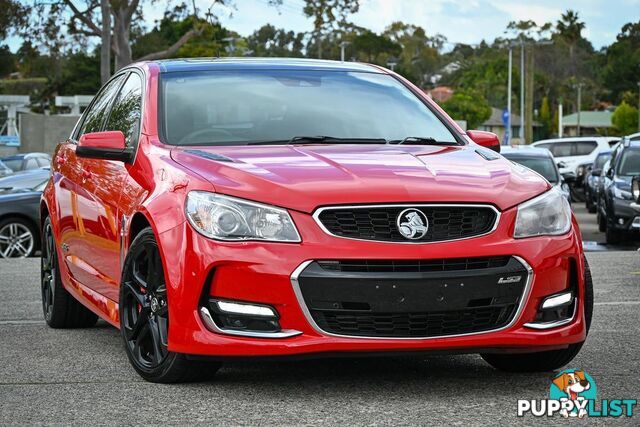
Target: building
(591,123)
(440,94)
(495,124)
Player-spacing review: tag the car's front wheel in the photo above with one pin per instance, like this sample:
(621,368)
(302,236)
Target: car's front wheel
(546,360)
(144,318)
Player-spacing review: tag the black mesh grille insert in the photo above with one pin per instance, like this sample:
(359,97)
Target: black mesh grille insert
(470,320)
(379,223)
(422,265)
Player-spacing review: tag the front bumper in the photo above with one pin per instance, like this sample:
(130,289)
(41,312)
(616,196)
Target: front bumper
(265,273)
(625,216)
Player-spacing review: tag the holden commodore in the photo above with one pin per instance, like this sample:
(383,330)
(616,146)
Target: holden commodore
(221,208)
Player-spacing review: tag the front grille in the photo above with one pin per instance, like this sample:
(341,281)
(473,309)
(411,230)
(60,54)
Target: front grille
(418,265)
(413,298)
(379,223)
(415,324)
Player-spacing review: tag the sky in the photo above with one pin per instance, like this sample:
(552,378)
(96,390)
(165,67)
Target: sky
(460,21)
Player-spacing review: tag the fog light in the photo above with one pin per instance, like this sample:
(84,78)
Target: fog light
(242,308)
(621,221)
(556,301)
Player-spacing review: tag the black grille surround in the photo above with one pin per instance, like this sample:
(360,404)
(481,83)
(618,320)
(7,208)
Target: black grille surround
(414,304)
(379,222)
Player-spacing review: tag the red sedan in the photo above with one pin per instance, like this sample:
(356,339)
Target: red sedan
(214,209)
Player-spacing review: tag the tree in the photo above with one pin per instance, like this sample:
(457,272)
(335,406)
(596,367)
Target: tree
(545,117)
(13,16)
(371,45)
(622,64)
(7,61)
(625,119)
(470,105)
(327,16)
(269,41)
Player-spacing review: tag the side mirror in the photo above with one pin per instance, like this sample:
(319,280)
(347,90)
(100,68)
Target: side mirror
(107,145)
(635,188)
(485,139)
(562,165)
(596,172)
(610,173)
(569,177)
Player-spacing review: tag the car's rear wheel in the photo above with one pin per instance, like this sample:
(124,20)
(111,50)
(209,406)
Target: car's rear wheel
(17,238)
(144,318)
(61,310)
(546,360)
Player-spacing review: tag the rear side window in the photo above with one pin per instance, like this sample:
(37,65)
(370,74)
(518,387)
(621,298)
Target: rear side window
(584,148)
(126,111)
(97,113)
(570,148)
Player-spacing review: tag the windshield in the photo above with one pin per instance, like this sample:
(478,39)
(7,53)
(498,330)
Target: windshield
(629,163)
(229,108)
(601,160)
(544,166)
(13,164)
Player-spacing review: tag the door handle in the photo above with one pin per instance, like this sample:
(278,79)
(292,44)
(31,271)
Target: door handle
(86,174)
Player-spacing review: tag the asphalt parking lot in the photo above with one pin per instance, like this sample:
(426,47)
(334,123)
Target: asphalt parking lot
(82,376)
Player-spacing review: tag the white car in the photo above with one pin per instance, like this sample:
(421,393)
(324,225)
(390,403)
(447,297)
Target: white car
(571,153)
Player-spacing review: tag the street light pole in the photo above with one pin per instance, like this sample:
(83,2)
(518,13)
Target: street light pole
(521,133)
(343,45)
(509,96)
(638,106)
(579,86)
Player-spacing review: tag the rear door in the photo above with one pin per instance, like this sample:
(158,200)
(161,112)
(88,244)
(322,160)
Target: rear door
(104,185)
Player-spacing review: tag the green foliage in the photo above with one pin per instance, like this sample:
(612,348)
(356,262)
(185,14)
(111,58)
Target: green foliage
(23,86)
(269,41)
(621,70)
(370,46)
(7,61)
(544,117)
(470,105)
(625,119)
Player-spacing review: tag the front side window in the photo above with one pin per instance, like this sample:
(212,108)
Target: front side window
(629,163)
(126,110)
(601,160)
(273,106)
(95,117)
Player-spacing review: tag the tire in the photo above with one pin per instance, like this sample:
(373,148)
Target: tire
(144,318)
(602,222)
(612,236)
(18,238)
(547,360)
(60,309)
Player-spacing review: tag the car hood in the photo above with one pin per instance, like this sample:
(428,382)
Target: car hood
(18,194)
(304,177)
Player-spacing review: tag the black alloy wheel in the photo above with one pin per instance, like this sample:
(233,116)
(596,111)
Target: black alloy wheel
(60,309)
(144,318)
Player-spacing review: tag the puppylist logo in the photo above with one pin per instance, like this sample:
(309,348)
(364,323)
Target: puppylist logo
(573,393)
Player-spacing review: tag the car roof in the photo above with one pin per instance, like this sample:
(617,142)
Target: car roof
(526,151)
(25,156)
(579,138)
(212,64)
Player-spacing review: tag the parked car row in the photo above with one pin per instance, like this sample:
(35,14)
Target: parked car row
(616,207)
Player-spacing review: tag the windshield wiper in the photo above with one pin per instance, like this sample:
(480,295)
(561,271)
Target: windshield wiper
(318,139)
(421,140)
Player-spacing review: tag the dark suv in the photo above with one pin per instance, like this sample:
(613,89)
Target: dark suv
(617,217)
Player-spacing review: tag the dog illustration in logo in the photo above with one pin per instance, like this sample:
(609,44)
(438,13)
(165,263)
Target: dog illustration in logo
(413,227)
(572,384)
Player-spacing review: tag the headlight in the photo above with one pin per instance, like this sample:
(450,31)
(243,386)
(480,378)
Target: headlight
(621,194)
(227,218)
(547,214)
